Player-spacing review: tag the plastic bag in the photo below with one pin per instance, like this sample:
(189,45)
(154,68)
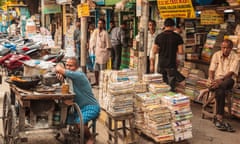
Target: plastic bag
(90,61)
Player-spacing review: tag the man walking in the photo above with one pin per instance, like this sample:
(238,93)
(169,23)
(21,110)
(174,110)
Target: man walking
(167,44)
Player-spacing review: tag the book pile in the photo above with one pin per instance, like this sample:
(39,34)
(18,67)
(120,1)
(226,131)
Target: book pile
(179,106)
(159,87)
(209,45)
(116,90)
(152,78)
(141,101)
(191,82)
(157,121)
(236,103)
(120,97)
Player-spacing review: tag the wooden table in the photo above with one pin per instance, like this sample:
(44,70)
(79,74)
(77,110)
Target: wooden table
(25,98)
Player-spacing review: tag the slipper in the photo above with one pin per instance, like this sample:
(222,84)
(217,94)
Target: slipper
(220,126)
(229,127)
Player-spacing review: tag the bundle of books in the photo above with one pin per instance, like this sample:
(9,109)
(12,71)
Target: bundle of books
(179,106)
(236,103)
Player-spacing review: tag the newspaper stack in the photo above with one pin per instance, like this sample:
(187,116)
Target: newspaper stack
(179,106)
(120,97)
(111,76)
(157,120)
(159,87)
(152,78)
(103,88)
(140,87)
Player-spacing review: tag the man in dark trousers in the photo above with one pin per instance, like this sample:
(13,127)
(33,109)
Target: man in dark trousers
(223,71)
(119,41)
(168,45)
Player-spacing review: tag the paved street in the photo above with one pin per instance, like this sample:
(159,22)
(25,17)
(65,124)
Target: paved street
(204,131)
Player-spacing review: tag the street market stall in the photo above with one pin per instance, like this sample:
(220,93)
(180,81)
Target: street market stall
(30,107)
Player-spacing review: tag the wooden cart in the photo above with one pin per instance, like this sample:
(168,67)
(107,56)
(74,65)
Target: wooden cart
(18,101)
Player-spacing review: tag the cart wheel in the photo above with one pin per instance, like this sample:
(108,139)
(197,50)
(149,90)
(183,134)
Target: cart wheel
(10,127)
(76,107)
(6,107)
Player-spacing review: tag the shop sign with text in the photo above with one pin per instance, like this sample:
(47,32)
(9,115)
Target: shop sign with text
(83,10)
(211,17)
(176,9)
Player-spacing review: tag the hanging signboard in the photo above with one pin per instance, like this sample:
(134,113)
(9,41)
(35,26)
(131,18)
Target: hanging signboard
(83,10)
(51,9)
(211,17)
(176,9)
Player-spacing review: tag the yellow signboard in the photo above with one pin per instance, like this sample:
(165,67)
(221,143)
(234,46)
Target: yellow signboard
(176,9)
(83,10)
(211,17)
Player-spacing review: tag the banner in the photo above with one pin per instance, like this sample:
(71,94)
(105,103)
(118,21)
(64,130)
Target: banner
(211,17)
(176,9)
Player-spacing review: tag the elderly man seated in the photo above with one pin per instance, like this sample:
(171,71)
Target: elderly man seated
(222,74)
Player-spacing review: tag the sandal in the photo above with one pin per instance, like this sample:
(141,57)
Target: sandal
(220,125)
(229,127)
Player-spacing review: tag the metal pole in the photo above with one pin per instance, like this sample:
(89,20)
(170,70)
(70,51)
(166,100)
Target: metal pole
(145,19)
(83,41)
(42,14)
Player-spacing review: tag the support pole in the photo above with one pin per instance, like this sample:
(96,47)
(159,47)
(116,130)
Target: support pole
(143,33)
(42,14)
(83,41)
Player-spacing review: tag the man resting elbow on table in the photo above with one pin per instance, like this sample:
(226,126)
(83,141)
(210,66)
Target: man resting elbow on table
(222,73)
(84,96)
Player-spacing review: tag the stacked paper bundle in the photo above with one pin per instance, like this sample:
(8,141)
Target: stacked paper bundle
(111,76)
(124,75)
(157,121)
(120,97)
(103,88)
(179,106)
(141,101)
(140,87)
(159,87)
(192,81)
(150,78)
(236,103)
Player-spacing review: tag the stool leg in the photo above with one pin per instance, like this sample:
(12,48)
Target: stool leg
(110,128)
(124,128)
(115,132)
(131,129)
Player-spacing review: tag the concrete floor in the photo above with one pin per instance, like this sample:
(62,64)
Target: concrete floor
(204,132)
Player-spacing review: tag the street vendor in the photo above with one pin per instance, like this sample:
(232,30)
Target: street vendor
(222,73)
(84,96)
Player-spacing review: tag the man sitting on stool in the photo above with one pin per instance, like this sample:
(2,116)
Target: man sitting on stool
(222,72)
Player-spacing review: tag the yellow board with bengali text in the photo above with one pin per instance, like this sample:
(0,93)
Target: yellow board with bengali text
(211,17)
(83,10)
(176,9)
